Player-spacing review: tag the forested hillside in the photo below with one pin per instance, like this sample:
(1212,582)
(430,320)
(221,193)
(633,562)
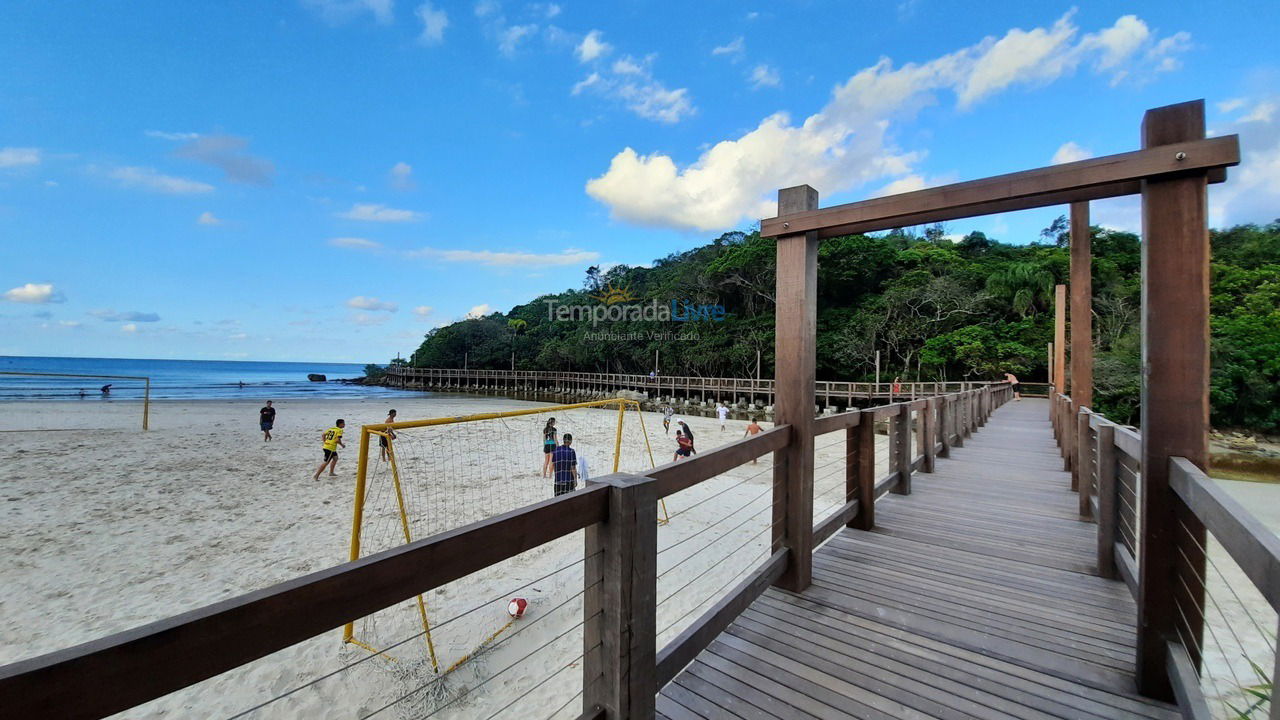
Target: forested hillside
(935,308)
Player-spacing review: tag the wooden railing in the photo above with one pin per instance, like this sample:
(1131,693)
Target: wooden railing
(622,670)
(1105,460)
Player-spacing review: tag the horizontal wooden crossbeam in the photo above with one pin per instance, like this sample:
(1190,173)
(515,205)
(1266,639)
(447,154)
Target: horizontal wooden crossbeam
(1092,179)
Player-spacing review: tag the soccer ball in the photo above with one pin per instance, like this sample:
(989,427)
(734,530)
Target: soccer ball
(516,607)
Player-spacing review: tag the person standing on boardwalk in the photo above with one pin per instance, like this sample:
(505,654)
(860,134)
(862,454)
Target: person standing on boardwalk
(266,421)
(752,430)
(1017,386)
(722,412)
(331,440)
(391,434)
(565,461)
(667,413)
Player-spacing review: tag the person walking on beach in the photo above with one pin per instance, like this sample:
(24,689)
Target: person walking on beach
(722,412)
(332,440)
(391,434)
(753,429)
(667,413)
(684,446)
(1017,386)
(687,433)
(565,461)
(548,445)
(266,420)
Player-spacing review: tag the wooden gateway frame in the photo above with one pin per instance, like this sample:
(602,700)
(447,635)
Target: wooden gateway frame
(1171,173)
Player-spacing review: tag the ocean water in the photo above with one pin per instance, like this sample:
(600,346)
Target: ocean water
(184,379)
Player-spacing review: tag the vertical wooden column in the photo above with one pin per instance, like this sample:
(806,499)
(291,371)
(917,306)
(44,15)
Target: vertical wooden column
(944,425)
(619,670)
(795,351)
(1107,501)
(957,418)
(929,431)
(1175,390)
(1081,307)
(1084,455)
(865,470)
(900,426)
(1060,338)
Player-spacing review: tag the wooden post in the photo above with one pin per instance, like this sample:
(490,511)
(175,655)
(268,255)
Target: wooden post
(1175,389)
(957,418)
(864,467)
(929,423)
(795,352)
(620,602)
(1081,307)
(901,429)
(1060,338)
(944,425)
(1107,501)
(1084,453)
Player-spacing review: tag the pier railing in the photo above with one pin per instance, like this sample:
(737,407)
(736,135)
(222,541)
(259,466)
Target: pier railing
(1220,621)
(622,665)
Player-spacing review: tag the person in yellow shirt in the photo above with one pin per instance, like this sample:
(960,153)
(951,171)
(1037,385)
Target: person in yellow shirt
(332,440)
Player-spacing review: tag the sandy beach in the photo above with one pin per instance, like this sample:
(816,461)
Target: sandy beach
(109,528)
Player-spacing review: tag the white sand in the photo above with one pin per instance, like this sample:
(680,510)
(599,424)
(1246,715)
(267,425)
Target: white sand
(107,529)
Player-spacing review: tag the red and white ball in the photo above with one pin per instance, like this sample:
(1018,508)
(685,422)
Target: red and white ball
(516,607)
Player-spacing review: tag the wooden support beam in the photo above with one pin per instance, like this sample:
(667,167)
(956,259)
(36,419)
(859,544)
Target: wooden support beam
(900,427)
(1081,307)
(795,350)
(620,602)
(864,462)
(929,432)
(1107,500)
(1175,390)
(1092,179)
(944,425)
(1084,462)
(1060,339)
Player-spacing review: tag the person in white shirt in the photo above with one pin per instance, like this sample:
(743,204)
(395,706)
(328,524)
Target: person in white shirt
(722,412)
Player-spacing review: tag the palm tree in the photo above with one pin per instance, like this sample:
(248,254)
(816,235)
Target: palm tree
(516,326)
(1022,284)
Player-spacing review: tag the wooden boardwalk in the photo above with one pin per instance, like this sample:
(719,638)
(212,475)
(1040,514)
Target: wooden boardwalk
(975,597)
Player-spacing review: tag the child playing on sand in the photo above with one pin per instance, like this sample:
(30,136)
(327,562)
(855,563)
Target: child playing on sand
(332,440)
(382,441)
(687,432)
(266,421)
(684,446)
(753,429)
(722,412)
(565,461)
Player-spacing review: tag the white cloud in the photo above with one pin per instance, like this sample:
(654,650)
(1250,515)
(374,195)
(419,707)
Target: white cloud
(372,304)
(423,310)
(592,47)
(434,23)
(910,183)
(129,328)
(734,49)
(402,176)
(1070,152)
(509,259)
(356,243)
(69,323)
(764,76)
(485,8)
(632,83)
(208,218)
(1263,112)
(1252,190)
(229,153)
(479,311)
(547,10)
(367,319)
(509,38)
(847,143)
(34,293)
(372,212)
(337,12)
(147,178)
(161,134)
(125,316)
(19,156)
(1231,105)
(238,336)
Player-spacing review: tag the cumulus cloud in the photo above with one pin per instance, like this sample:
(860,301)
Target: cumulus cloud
(631,82)
(592,47)
(163,135)
(34,293)
(1252,190)
(372,304)
(19,156)
(129,328)
(910,183)
(69,323)
(367,319)
(509,38)
(126,316)
(338,12)
(208,218)
(764,76)
(356,243)
(423,310)
(847,143)
(229,154)
(402,176)
(479,311)
(733,49)
(372,212)
(546,10)
(1231,105)
(434,23)
(1070,152)
(510,259)
(146,178)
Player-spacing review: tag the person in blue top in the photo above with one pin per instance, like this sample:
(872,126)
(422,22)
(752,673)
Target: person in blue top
(565,462)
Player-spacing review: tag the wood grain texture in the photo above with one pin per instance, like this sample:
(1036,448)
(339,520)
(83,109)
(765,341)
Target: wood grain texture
(1081,307)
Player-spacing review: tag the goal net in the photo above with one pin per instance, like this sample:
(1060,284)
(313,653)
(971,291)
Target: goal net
(419,478)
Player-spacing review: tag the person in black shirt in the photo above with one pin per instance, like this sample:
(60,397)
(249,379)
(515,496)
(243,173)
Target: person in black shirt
(266,419)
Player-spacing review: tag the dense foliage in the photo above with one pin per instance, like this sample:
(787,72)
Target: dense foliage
(934,307)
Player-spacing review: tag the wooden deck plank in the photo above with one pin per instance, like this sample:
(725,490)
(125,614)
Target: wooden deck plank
(974,597)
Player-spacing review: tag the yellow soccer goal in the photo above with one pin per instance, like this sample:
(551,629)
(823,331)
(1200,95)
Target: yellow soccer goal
(419,478)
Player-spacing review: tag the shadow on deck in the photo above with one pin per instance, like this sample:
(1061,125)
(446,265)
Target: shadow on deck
(975,597)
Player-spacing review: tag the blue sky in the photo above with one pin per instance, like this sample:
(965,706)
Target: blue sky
(329,179)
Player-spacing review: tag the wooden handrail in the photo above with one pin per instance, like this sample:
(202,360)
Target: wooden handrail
(676,476)
(120,671)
